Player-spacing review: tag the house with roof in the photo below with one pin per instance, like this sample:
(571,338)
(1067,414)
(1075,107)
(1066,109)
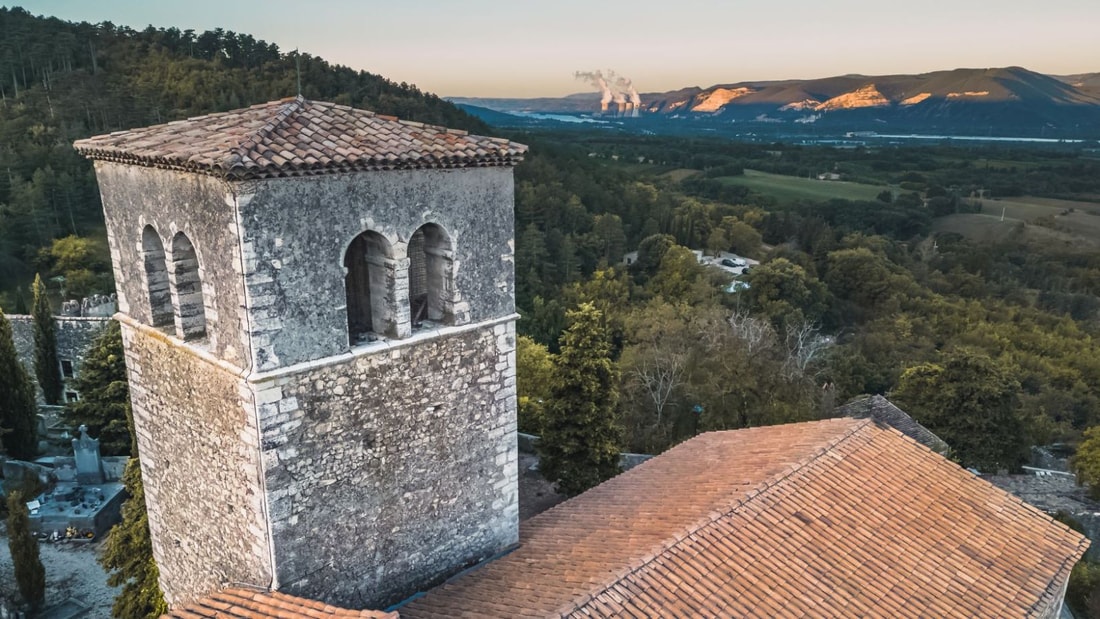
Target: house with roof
(317,305)
(834,518)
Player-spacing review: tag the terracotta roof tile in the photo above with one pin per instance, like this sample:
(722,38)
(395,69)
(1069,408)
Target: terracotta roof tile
(835,518)
(245,603)
(298,137)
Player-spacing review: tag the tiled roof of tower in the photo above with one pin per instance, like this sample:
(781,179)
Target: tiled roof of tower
(834,518)
(298,137)
(243,603)
(886,412)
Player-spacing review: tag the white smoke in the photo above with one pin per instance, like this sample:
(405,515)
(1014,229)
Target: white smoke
(627,86)
(613,89)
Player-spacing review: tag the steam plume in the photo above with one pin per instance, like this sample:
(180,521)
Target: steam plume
(613,89)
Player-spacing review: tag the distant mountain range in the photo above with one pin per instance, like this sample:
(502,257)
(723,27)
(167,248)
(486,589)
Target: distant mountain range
(1010,100)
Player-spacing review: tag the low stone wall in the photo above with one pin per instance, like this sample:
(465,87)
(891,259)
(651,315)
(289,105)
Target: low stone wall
(528,443)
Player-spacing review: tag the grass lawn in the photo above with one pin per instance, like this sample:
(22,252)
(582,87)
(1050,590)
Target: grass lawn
(787,189)
(1081,226)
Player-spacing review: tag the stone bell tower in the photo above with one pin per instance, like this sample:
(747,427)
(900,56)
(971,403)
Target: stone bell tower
(317,304)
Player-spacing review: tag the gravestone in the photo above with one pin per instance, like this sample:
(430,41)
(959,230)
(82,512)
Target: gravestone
(89,468)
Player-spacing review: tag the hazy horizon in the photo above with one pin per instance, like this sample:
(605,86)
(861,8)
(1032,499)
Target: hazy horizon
(482,48)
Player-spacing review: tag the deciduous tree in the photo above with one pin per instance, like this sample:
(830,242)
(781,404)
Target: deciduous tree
(971,401)
(534,376)
(1086,462)
(786,293)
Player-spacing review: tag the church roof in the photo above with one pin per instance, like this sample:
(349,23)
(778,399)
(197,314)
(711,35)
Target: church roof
(243,603)
(298,137)
(833,518)
(886,412)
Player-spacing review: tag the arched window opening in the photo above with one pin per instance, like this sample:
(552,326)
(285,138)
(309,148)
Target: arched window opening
(431,272)
(190,315)
(368,284)
(156,278)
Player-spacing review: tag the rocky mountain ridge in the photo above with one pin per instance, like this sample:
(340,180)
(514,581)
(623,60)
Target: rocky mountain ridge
(994,100)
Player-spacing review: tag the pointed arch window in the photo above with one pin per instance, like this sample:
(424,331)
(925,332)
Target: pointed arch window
(187,297)
(431,276)
(156,278)
(368,283)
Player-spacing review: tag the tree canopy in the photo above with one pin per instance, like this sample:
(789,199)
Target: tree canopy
(18,411)
(580,443)
(104,393)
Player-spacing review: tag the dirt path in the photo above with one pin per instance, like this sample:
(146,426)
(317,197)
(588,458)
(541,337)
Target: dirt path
(71,572)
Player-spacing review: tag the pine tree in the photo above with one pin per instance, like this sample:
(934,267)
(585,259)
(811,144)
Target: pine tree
(18,411)
(46,366)
(128,556)
(580,446)
(30,576)
(103,393)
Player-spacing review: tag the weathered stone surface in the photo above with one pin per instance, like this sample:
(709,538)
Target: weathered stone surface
(74,337)
(197,206)
(389,470)
(200,466)
(298,230)
(279,451)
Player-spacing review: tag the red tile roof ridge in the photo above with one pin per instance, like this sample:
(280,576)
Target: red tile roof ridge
(240,152)
(298,137)
(844,443)
(1054,588)
(644,560)
(247,601)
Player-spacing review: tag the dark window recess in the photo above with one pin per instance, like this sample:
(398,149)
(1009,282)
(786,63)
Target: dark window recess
(431,266)
(72,396)
(66,368)
(369,265)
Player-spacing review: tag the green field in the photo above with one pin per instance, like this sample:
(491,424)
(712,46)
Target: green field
(787,189)
(1066,222)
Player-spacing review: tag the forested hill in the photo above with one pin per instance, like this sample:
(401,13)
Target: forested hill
(61,81)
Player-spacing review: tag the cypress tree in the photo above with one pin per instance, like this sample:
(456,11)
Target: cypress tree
(128,556)
(580,444)
(46,366)
(18,411)
(20,303)
(103,394)
(30,576)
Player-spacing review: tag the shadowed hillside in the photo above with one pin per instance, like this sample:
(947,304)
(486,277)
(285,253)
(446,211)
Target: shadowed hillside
(61,81)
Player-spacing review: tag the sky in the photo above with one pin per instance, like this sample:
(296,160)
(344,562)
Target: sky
(524,48)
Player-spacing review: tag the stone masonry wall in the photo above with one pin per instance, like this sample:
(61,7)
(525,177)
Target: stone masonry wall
(1051,607)
(298,230)
(390,470)
(201,207)
(200,464)
(74,338)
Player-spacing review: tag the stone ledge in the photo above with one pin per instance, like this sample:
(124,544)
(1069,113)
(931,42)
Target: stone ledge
(372,348)
(361,350)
